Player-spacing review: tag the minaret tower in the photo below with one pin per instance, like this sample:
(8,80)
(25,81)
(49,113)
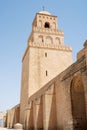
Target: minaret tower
(45,57)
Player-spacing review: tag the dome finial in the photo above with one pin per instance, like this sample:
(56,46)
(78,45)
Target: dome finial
(43,8)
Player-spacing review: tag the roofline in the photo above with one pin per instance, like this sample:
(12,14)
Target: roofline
(46,14)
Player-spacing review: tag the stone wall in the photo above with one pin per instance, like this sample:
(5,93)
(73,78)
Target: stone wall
(24,85)
(45,57)
(53,106)
(13,116)
(48,103)
(61,104)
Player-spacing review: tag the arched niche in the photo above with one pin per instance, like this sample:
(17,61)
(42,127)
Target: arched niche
(40,23)
(49,40)
(57,40)
(78,103)
(40,38)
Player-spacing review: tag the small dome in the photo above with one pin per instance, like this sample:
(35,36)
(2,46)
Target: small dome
(45,12)
(18,126)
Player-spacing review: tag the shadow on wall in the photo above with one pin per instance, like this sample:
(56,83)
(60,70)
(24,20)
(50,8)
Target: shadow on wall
(30,124)
(40,116)
(53,115)
(78,103)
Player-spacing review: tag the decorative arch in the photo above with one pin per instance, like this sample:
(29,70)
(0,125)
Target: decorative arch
(49,40)
(40,23)
(40,37)
(78,103)
(57,41)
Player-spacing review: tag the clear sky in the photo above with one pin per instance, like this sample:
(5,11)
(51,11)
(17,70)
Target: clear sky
(16,18)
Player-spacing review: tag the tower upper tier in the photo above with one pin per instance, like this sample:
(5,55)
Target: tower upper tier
(45,32)
(44,19)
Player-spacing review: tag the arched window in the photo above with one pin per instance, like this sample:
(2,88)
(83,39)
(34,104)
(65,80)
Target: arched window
(47,25)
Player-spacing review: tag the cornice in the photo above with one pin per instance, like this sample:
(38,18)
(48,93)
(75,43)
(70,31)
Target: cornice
(50,46)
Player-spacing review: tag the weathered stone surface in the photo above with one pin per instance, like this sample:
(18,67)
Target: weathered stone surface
(45,57)
(53,90)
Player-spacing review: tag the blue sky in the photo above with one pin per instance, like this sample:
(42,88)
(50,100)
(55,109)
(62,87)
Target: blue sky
(16,18)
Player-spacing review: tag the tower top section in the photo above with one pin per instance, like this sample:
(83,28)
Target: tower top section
(45,32)
(45,12)
(44,20)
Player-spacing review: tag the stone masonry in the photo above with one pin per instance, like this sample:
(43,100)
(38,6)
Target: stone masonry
(53,90)
(45,57)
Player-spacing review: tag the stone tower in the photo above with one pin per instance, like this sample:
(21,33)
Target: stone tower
(45,57)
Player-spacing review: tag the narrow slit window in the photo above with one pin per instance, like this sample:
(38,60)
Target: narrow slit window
(45,54)
(46,73)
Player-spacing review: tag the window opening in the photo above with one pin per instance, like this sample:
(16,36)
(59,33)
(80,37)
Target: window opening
(46,73)
(47,25)
(45,54)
